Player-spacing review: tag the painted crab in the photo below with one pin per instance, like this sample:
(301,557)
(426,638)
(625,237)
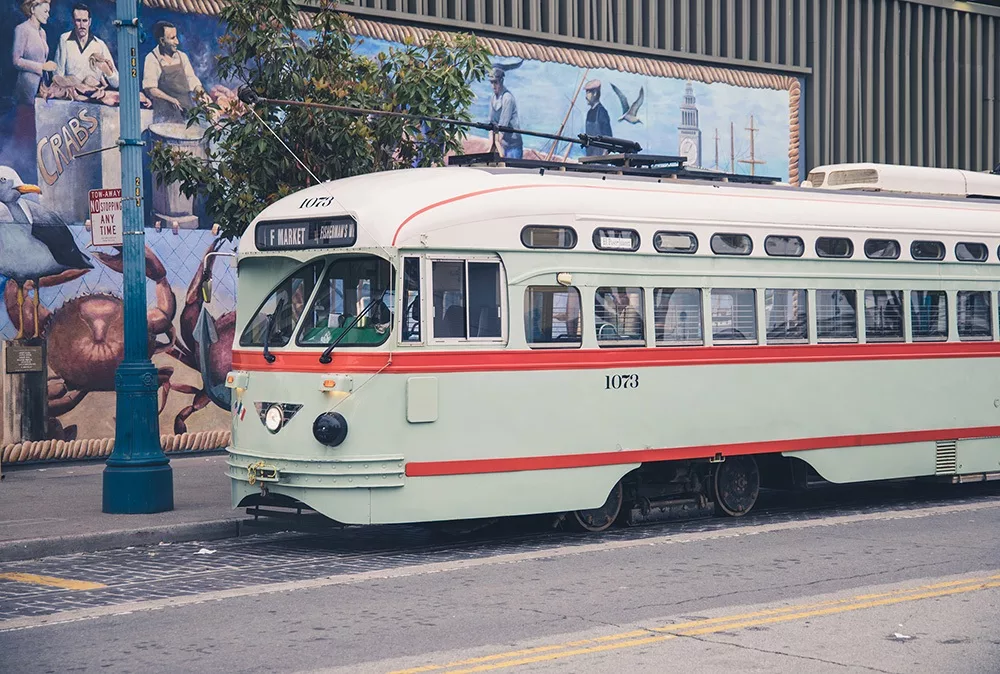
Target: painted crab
(86,342)
(205,344)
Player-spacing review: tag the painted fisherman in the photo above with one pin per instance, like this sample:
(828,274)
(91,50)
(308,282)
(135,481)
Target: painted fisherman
(503,111)
(598,120)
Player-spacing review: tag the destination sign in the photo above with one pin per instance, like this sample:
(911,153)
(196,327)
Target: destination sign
(299,234)
(616,239)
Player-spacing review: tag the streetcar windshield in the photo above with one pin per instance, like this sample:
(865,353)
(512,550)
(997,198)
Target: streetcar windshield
(282,308)
(349,286)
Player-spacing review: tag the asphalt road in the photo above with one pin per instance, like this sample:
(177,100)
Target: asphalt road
(894,585)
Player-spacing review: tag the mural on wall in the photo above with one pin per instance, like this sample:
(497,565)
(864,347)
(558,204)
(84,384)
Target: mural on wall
(60,79)
(59,103)
(718,120)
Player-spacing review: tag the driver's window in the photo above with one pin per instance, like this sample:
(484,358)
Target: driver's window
(618,314)
(286,303)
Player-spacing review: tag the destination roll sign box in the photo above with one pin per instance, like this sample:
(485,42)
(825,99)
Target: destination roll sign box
(301,234)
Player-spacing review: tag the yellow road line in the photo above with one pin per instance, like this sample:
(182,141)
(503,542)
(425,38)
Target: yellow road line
(842,609)
(526,651)
(51,581)
(707,626)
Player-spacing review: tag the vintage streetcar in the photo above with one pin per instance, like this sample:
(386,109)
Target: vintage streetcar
(602,340)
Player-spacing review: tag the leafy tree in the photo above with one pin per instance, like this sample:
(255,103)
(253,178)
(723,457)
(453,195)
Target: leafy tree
(247,168)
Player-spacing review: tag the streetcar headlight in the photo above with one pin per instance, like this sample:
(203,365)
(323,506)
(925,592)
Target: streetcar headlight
(273,418)
(330,428)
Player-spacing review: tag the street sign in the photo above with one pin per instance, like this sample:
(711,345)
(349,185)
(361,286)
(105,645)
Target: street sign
(106,217)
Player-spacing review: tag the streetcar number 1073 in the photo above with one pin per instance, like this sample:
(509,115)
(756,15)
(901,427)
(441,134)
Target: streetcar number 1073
(618,381)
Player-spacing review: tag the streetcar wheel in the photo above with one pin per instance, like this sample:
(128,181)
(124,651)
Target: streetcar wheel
(735,486)
(599,519)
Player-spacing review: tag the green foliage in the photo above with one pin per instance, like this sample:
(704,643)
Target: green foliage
(247,168)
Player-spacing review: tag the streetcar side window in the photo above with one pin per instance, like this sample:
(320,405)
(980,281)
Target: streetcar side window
(786,316)
(784,246)
(834,246)
(467,302)
(971,252)
(545,236)
(618,317)
(448,278)
(884,316)
(734,316)
(927,250)
(974,315)
(675,242)
(882,249)
(836,315)
(732,244)
(285,304)
(552,316)
(677,316)
(929,313)
(411,299)
(484,299)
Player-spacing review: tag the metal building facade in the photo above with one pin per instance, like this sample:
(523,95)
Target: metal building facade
(895,81)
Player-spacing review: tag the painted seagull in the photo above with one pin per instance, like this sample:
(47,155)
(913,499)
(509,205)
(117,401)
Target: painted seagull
(630,113)
(34,243)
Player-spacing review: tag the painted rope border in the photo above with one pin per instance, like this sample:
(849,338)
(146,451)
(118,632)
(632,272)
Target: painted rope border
(62,450)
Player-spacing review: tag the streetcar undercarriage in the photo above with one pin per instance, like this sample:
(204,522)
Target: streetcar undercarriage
(727,486)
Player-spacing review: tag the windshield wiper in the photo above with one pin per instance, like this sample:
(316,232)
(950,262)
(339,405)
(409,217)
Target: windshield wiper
(268,356)
(326,357)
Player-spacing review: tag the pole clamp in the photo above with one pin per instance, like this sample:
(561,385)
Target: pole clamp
(128,22)
(131,141)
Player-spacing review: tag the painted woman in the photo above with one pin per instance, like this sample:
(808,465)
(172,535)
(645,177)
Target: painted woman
(31,49)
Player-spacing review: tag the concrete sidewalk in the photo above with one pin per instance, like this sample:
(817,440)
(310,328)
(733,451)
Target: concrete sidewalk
(57,510)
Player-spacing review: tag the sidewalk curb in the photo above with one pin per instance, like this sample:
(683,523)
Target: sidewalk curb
(34,548)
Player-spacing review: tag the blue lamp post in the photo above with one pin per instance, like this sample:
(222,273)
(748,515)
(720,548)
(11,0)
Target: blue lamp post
(138,477)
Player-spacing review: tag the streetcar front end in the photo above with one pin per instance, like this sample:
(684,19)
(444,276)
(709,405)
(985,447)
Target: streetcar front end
(316,300)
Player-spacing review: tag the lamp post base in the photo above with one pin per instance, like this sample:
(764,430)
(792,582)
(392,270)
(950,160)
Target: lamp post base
(138,489)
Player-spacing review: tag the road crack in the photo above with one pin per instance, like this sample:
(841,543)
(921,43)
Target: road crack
(562,616)
(785,654)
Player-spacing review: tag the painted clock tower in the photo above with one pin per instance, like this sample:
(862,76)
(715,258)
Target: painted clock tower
(688,133)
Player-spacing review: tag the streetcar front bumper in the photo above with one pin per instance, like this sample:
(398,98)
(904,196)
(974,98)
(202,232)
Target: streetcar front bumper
(368,472)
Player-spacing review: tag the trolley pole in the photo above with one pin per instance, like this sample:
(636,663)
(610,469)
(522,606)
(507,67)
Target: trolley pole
(137,477)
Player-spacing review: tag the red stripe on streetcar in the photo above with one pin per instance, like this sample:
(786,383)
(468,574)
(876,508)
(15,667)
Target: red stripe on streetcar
(516,464)
(460,197)
(429,362)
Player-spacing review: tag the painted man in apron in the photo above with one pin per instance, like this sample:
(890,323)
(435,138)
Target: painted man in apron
(168,78)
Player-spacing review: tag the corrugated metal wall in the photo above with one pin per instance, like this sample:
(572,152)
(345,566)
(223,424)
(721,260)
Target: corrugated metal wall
(916,84)
(898,81)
